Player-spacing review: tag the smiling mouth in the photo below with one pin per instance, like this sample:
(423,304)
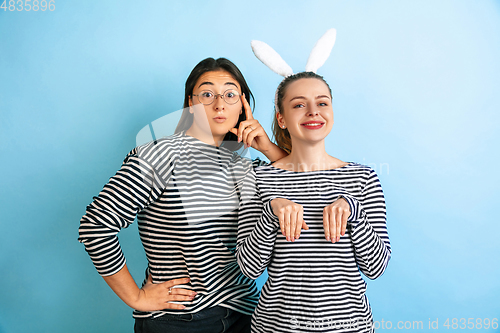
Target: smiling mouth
(313,124)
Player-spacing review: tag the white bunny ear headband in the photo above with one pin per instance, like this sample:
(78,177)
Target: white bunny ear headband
(271,58)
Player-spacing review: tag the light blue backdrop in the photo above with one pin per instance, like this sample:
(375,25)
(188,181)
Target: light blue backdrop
(416,86)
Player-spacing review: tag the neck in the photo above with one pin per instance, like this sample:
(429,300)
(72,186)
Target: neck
(309,157)
(203,136)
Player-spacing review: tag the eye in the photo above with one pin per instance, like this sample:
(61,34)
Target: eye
(207,94)
(298,106)
(323,104)
(230,94)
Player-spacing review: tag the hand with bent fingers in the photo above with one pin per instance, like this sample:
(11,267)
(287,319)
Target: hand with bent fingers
(250,131)
(291,217)
(155,297)
(335,218)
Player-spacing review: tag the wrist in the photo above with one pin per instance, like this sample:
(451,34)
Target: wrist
(353,206)
(266,147)
(273,152)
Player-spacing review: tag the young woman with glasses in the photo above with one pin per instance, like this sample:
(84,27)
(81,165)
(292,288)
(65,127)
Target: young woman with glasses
(185,192)
(314,283)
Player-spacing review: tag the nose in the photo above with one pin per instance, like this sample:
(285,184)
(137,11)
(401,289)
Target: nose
(218,102)
(312,111)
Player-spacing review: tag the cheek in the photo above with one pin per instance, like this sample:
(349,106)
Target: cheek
(236,112)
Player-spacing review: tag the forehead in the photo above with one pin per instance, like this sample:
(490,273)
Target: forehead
(307,87)
(216,79)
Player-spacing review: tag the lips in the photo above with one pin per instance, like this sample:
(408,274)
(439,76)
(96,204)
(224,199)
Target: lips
(313,125)
(219,119)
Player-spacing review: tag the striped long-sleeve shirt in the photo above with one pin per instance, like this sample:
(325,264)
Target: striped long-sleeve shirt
(185,195)
(314,285)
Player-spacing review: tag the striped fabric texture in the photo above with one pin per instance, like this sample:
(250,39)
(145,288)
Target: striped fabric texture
(185,196)
(313,285)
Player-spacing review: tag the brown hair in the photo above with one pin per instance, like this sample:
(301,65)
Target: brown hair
(282,136)
(230,141)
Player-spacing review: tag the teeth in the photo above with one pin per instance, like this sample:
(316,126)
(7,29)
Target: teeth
(312,124)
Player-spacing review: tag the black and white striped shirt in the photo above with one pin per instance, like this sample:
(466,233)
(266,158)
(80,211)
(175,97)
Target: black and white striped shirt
(313,285)
(184,193)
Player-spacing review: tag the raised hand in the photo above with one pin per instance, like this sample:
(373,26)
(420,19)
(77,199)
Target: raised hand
(251,132)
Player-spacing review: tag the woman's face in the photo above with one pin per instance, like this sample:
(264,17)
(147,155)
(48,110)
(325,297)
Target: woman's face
(307,110)
(217,118)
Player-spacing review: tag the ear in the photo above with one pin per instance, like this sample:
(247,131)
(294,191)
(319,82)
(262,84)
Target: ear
(281,120)
(190,104)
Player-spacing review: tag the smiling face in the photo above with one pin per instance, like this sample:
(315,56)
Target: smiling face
(214,120)
(307,111)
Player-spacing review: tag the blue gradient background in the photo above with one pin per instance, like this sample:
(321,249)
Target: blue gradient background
(416,86)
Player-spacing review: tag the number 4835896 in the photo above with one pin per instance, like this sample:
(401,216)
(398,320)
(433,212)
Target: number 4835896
(28,5)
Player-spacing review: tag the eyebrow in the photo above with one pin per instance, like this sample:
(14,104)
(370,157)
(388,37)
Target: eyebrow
(317,97)
(211,84)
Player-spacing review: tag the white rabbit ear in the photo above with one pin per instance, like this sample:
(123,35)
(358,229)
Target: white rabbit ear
(321,51)
(271,58)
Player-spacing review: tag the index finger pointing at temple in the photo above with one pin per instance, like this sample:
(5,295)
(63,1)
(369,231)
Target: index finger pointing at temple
(246,106)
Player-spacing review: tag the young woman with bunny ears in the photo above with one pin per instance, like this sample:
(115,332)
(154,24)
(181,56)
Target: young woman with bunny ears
(184,191)
(314,282)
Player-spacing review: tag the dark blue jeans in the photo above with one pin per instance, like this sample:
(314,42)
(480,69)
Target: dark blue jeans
(211,320)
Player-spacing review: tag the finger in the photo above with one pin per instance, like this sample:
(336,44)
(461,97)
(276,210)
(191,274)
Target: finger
(332,226)
(246,132)
(281,218)
(326,224)
(300,222)
(173,306)
(234,131)
(175,282)
(184,292)
(246,106)
(287,225)
(241,129)
(178,298)
(255,131)
(338,222)
(250,137)
(345,216)
(293,224)
(304,225)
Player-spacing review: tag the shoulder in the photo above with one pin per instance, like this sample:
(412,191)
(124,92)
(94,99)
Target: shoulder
(362,173)
(166,148)
(258,163)
(268,174)
(356,168)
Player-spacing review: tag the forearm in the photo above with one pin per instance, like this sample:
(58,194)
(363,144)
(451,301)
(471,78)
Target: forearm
(254,251)
(372,253)
(273,152)
(368,229)
(124,286)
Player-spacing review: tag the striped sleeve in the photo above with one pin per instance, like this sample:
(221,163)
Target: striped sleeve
(368,228)
(257,230)
(128,192)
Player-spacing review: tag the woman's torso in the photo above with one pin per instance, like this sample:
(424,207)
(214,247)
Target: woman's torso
(190,229)
(313,284)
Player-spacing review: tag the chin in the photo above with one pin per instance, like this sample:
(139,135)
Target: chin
(219,132)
